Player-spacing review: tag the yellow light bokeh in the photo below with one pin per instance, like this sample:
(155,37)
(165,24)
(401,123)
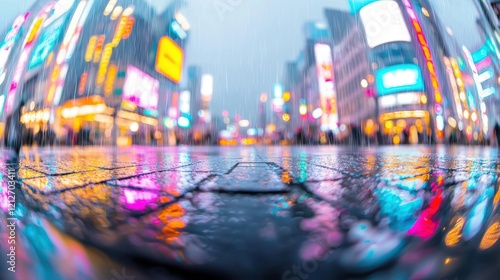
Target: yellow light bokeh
(287,96)
(286,117)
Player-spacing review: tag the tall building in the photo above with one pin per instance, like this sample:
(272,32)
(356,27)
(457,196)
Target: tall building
(194,87)
(486,55)
(355,83)
(412,78)
(311,97)
(83,72)
(474,63)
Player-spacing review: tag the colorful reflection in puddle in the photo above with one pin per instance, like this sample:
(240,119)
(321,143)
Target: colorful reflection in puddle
(136,200)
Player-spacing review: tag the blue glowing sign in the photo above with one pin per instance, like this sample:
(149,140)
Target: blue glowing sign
(184,121)
(470,99)
(399,78)
(481,54)
(46,43)
(151,113)
(357,5)
(278,91)
(176,28)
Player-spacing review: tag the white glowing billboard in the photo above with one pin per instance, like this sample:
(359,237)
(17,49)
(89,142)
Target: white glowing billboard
(185,102)
(207,85)
(384,23)
(324,64)
(141,89)
(60,9)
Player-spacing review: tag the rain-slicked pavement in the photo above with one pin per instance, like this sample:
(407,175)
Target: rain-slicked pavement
(253,213)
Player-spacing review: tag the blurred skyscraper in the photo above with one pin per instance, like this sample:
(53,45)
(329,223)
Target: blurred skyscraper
(105,67)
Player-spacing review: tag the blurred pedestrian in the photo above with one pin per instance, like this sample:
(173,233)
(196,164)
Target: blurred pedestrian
(331,137)
(496,129)
(300,137)
(13,138)
(453,137)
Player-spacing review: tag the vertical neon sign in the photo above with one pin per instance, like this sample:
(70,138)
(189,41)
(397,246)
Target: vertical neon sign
(430,66)
(8,43)
(324,65)
(26,49)
(66,51)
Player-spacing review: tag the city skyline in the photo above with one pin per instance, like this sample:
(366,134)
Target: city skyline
(224,43)
(245,58)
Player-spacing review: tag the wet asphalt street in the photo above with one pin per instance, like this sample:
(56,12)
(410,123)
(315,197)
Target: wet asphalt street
(252,213)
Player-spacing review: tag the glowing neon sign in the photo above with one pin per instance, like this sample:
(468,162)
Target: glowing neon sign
(324,64)
(46,43)
(8,43)
(52,30)
(428,56)
(67,49)
(399,78)
(384,23)
(141,89)
(23,59)
(185,102)
(169,59)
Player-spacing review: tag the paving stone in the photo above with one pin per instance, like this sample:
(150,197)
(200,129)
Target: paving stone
(174,183)
(260,178)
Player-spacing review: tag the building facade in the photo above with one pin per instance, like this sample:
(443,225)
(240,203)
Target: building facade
(84,77)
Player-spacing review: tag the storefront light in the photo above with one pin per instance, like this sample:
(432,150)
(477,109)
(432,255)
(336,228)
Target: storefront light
(440,122)
(116,12)
(316,114)
(109,8)
(134,127)
(128,11)
(473,116)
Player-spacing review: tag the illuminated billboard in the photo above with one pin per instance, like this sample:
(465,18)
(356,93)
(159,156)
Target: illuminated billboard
(60,9)
(324,64)
(169,59)
(207,85)
(185,102)
(207,89)
(33,33)
(141,89)
(67,49)
(384,23)
(399,78)
(8,43)
(48,39)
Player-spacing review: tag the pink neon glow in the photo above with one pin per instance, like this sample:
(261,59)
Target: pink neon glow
(10,40)
(23,59)
(138,200)
(425,227)
(173,113)
(14,30)
(324,64)
(141,89)
(483,64)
